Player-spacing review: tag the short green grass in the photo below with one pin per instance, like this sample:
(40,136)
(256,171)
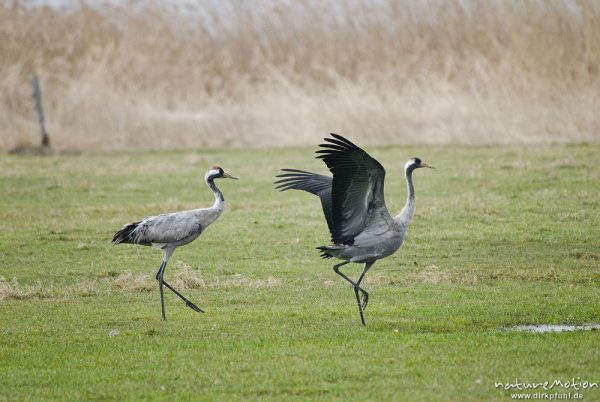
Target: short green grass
(501,236)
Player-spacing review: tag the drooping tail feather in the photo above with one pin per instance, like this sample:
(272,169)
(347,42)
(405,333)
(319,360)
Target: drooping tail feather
(329,251)
(126,234)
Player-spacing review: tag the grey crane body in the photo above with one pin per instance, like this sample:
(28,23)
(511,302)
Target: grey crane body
(362,230)
(169,231)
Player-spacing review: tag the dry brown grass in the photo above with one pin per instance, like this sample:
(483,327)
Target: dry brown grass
(400,72)
(13,290)
(135,283)
(182,277)
(432,275)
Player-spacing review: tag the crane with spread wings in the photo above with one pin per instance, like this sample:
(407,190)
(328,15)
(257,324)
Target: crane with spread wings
(362,230)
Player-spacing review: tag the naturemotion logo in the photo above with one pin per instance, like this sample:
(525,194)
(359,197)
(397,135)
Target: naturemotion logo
(556,389)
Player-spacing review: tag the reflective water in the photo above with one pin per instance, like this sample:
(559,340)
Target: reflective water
(541,328)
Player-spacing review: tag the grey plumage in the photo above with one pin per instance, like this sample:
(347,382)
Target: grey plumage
(362,230)
(169,231)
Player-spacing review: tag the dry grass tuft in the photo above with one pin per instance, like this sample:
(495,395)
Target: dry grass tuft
(239,280)
(186,278)
(182,277)
(431,275)
(14,290)
(135,283)
(87,288)
(269,73)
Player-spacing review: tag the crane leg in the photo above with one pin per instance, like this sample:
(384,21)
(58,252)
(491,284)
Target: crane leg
(357,288)
(187,302)
(159,278)
(162,282)
(368,266)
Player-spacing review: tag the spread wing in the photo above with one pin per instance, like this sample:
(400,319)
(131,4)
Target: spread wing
(357,187)
(316,184)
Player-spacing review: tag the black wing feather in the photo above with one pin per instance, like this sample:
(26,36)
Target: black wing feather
(357,184)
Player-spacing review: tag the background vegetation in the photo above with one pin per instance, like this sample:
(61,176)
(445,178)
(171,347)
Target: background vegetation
(233,73)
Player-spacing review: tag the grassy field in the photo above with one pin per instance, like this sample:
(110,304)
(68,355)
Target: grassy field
(501,236)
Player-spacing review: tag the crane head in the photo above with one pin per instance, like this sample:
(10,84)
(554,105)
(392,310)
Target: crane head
(217,172)
(416,163)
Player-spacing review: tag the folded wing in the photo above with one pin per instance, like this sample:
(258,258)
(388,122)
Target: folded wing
(160,229)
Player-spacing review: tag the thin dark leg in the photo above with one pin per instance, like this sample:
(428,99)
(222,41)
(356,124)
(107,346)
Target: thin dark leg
(187,302)
(161,282)
(368,266)
(159,278)
(336,269)
(356,286)
(360,309)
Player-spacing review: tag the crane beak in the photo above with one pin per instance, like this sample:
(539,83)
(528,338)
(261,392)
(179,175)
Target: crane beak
(425,165)
(228,176)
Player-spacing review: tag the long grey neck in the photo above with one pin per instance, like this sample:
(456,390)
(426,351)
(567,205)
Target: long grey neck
(219,200)
(405,216)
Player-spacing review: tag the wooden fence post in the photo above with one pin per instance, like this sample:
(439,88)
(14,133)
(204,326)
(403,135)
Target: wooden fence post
(37,98)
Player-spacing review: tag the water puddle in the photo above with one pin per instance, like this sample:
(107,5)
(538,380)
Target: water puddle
(543,328)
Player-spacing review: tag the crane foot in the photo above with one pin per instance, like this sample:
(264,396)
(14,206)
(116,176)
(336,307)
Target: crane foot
(193,306)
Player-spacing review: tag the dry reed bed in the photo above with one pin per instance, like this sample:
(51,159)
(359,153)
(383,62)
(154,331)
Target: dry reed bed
(261,74)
